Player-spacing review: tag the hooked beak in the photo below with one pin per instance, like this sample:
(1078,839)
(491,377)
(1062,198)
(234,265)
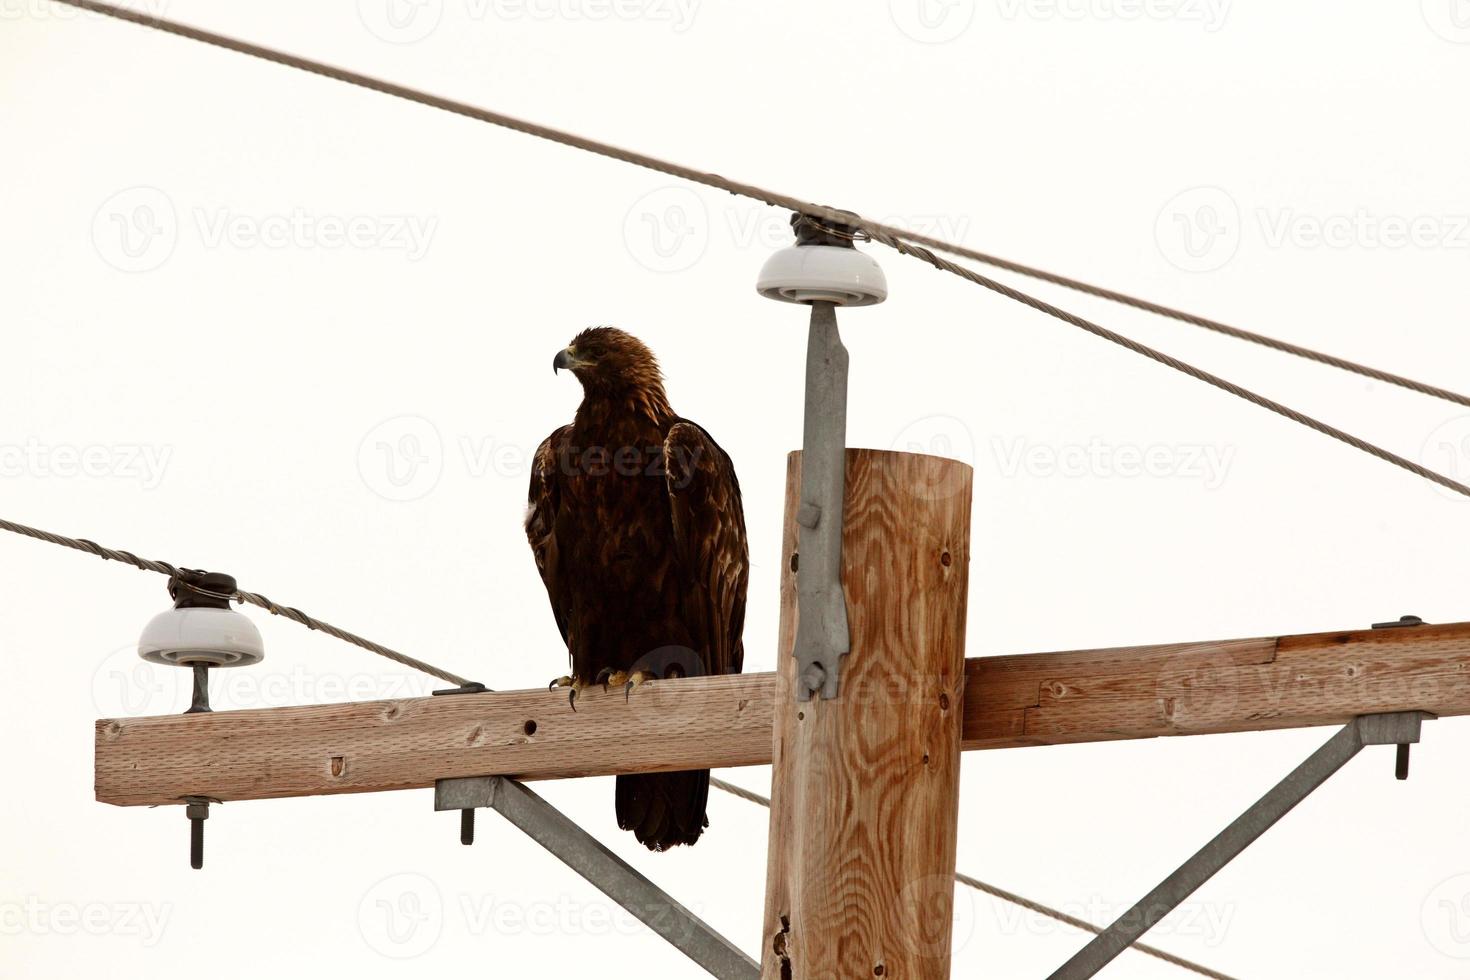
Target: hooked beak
(567,359)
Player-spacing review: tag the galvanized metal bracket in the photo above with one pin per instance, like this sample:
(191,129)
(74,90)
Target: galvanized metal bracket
(609,873)
(1398,728)
(822,635)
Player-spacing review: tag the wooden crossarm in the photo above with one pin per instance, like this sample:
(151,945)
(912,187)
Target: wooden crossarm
(716,722)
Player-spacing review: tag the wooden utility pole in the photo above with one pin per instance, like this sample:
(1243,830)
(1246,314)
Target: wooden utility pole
(865,791)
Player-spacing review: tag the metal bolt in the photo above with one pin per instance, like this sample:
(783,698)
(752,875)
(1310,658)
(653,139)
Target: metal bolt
(197,811)
(201,690)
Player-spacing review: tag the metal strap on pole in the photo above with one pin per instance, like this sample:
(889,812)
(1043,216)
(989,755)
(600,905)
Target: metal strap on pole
(613,876)
(822,635)
(1389,729)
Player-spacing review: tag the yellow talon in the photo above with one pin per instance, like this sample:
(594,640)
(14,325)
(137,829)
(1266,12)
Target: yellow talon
(635,679)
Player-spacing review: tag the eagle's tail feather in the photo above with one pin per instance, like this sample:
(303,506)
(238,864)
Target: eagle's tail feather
(664,809)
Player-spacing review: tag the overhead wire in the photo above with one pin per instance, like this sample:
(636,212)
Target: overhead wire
(907,242)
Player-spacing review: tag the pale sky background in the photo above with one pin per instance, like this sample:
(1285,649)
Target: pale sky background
(200,366)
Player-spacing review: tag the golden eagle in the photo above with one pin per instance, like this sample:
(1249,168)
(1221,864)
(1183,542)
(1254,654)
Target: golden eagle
(637,528)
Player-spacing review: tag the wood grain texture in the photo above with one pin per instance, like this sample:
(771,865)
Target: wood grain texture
(865,790)
(1010,701)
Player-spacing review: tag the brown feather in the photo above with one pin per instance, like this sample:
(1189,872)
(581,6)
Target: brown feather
(637,528)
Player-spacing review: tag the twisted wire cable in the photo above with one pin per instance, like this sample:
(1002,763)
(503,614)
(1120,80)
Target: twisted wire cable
(288,612)
(906,242)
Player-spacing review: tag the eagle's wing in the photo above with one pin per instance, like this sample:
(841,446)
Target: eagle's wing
(543,504)
(709,542)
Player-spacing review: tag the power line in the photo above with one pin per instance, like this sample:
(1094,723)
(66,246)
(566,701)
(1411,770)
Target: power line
(1170,361)
(1011,897)
(1194,319)
(295,615)
(893,237)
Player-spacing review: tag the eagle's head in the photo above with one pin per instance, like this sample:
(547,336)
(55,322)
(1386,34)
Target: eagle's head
(609,361)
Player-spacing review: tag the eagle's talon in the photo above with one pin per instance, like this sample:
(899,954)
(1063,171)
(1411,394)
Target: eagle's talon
(569,682)
(610,678)
(635,679)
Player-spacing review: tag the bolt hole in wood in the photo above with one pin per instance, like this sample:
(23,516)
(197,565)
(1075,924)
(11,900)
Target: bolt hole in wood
(529,728)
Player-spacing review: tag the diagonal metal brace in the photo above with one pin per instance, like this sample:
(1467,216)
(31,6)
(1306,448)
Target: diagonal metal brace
(611,875)
(1398,728)
(822,635)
